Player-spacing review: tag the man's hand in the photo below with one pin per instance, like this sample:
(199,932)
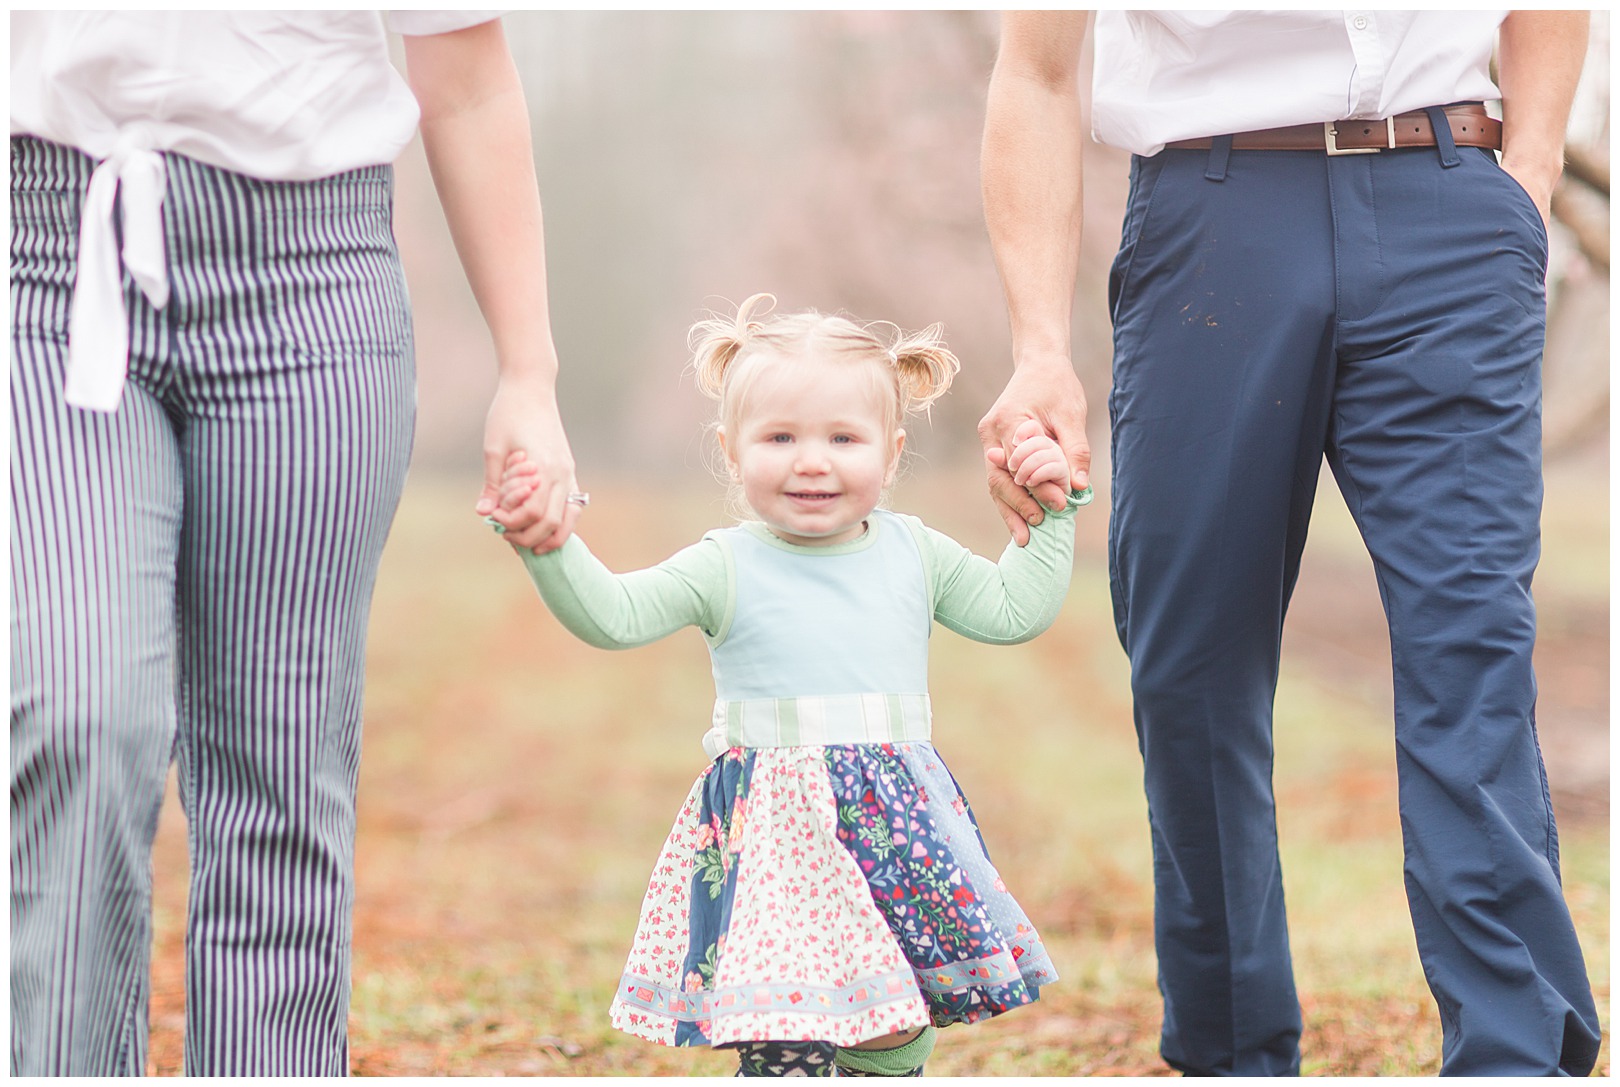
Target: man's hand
(1045,397)
(1538,181)
(524,425)
(1539,57)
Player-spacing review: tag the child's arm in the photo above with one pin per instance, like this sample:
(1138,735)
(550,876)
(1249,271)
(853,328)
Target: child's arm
(1008,601)
(1017,598)
(621,611)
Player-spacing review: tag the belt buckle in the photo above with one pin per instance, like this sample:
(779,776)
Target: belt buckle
(1331,135)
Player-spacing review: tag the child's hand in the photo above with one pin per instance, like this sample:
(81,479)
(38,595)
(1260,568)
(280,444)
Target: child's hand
(518,481)
(1036,458)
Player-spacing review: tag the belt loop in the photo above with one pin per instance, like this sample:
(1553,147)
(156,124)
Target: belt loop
(1442,136)
(1220,149)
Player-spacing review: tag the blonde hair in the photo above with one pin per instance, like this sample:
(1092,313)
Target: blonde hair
(917,367)
(913,368)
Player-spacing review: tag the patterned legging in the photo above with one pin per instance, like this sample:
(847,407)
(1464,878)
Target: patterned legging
(786,1059)
(778,1059)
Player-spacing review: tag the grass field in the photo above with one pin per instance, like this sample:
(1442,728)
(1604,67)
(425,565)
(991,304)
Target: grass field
(517,785)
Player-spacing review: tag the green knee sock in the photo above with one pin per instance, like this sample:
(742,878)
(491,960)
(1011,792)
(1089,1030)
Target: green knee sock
(902,1060)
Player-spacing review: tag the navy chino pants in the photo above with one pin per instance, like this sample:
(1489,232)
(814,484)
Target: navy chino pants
(1387,311)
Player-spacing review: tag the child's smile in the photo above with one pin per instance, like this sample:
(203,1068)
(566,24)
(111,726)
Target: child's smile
(812,449)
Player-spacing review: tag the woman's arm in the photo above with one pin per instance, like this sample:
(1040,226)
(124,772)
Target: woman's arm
(475,129)
(622,611)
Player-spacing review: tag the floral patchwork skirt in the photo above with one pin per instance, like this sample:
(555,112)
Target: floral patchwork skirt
(835,894)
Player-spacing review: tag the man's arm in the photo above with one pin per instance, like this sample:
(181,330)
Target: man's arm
(475,130)
(1031,176)
(1539,59)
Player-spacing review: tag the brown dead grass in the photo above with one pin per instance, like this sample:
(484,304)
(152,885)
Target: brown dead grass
(516,786)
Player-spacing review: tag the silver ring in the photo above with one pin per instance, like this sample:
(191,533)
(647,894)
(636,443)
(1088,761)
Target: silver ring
(579,498)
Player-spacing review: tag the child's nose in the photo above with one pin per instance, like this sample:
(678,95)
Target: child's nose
(812,459)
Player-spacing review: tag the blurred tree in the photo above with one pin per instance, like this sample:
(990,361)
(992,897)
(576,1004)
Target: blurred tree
(689,159)
(1577,369)
(884,219)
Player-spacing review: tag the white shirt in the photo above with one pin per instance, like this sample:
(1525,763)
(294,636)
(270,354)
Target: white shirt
(284,96)
(1174,75)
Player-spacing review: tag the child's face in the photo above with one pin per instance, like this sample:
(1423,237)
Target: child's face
(812,449)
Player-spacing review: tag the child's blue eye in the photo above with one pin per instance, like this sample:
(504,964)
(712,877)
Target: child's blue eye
(843,439)
(781,438)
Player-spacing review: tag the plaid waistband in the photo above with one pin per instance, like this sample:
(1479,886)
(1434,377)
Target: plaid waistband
(818,719)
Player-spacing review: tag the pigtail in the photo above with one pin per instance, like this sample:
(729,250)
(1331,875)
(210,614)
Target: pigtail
(717,342)
(916,368)
(924,367)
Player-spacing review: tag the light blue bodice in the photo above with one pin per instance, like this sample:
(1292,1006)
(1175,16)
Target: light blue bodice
(848,619)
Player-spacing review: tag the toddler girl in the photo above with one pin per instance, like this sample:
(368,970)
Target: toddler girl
(825,898)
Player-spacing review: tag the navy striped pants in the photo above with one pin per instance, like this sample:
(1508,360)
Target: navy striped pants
(191,576)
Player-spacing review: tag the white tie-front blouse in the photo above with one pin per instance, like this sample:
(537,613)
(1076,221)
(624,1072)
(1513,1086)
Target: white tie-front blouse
(277,95)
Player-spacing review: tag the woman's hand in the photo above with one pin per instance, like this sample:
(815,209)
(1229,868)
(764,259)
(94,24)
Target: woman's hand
(524,426)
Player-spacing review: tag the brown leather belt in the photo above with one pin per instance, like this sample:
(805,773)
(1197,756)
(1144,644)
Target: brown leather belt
(1471,126)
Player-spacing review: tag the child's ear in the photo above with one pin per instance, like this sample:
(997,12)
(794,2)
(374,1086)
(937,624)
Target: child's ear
(894,458)
(725,451)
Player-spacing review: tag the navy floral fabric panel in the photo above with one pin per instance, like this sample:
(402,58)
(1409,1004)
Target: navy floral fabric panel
(714,878)
(963,962)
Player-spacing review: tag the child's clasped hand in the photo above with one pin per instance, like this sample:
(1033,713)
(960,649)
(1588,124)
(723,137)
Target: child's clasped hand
(518,480)
(1036,459)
